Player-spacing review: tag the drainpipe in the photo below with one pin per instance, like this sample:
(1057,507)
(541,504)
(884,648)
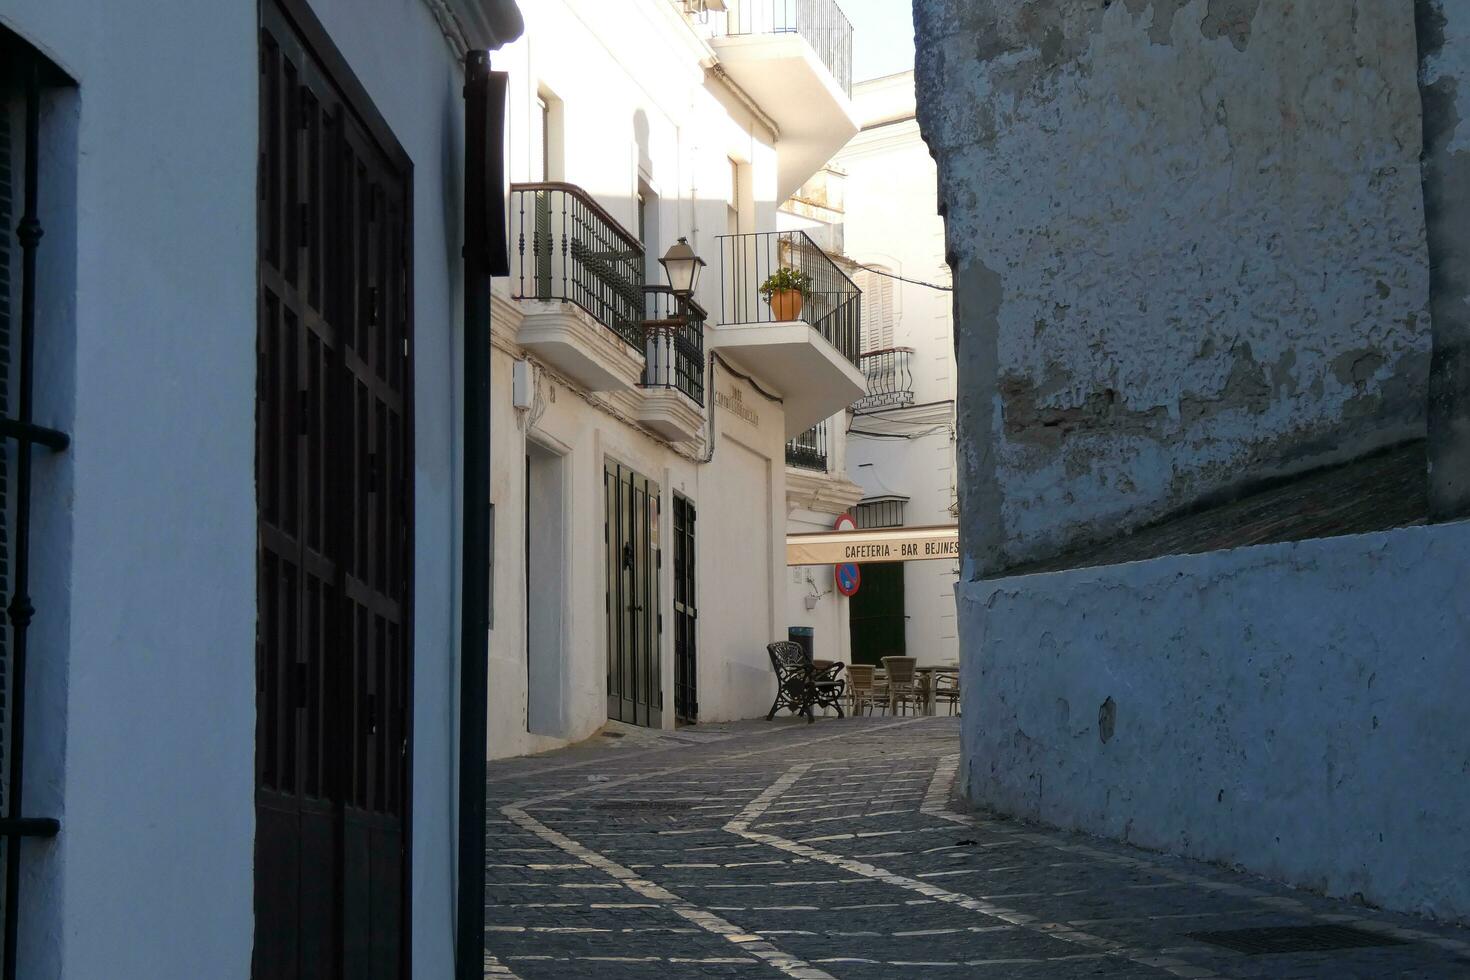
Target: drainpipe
(484,256)
(714,69)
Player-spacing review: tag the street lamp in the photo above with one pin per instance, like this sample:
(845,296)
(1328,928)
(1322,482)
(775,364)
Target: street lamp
(682,268)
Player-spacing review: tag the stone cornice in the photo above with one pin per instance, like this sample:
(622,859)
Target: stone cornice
(477,24)
(821,493)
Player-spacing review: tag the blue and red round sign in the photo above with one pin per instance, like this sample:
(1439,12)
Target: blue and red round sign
(848,576)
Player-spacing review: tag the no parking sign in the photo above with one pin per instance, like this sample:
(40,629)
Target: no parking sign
(849,576)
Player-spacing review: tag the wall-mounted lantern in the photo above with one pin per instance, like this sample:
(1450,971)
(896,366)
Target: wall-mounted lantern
(682,268)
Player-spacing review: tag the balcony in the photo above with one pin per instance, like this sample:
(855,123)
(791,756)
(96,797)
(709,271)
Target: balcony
(579,276)
(808,451)
(673,373)
(807,355)
(794,57)
(890,381)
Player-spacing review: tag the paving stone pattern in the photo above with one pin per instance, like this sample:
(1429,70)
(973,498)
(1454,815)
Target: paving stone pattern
(838,850)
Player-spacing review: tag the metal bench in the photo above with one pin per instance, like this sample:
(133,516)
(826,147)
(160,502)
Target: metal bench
(801,683)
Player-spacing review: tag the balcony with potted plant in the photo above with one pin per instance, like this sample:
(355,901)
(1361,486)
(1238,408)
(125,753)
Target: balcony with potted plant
(791,317)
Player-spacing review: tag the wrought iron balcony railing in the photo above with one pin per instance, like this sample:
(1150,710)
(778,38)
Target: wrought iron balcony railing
(808,451)
(833,305)
(567,247)
(890,381)
(674,342)
(821,22)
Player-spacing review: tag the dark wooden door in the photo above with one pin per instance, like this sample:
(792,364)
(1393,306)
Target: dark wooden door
(686,614)
(334,664)
(876,619)
(634,693)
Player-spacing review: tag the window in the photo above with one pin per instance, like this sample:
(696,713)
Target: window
(879,313)
(544,112)
(29,312)
(732,201)
(648,232)
(883,512)
(551,148)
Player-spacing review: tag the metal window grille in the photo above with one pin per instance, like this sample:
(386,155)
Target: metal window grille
(7,219)
(36,75)
(808,451)
(674,343)
(879,513)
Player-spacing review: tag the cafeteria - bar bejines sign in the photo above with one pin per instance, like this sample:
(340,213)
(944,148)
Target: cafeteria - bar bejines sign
(888,544)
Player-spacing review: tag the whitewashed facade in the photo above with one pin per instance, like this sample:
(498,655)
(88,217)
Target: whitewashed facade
(181,159)
(901,441)
(889,458)
(676,122)
(141,721)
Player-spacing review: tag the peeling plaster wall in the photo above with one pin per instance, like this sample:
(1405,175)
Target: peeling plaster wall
(1296,709)
(1188,240)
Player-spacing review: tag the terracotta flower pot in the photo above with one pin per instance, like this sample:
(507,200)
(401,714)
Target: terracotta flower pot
(786,304)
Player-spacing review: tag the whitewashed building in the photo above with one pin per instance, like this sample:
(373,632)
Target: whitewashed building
(901,438)
(647,574)
(640,479)
(249,478)
(230,294)
(887,460)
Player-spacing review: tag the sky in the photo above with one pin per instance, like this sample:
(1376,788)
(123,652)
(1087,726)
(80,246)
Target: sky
(883,36)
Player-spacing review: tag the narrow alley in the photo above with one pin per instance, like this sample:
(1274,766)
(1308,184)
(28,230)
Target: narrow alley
(840,850)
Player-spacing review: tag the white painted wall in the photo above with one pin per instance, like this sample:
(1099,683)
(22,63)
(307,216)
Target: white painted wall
(742,590)
(1296,709)
(636,104)
(142,707)
(141,714)
(740,577)
(892,221)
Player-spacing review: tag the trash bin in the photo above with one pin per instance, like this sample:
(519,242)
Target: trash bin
(805,636)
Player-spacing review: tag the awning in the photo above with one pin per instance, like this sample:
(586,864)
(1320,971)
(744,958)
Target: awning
(887,544)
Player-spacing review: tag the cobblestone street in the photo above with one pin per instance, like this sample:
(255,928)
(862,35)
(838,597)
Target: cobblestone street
(836,850)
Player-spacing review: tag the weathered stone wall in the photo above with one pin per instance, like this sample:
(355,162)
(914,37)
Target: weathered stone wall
(1297,709)
(1188,239)
(1444,63)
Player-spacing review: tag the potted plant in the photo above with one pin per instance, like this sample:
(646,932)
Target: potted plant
(786,290)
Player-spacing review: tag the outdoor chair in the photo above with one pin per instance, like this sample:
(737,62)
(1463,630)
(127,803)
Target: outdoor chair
(800,683)
(903,689)
(947,690)
(862,688)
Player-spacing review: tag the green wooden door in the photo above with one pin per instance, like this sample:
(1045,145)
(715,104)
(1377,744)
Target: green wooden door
(876,614)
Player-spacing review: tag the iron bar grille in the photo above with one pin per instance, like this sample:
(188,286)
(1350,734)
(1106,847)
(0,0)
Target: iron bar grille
(17,361)
(7,221)
(674,343)
(832,306)
(889,378)
(808,451)
(878,513)
(821,22)
(569,248)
